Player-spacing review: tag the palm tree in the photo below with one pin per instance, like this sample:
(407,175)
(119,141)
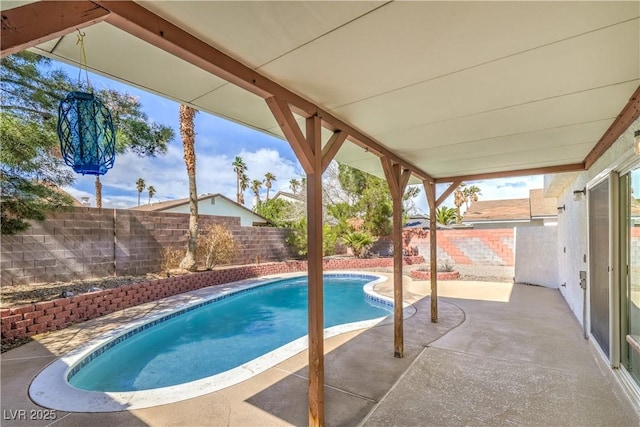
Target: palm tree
(294,184)
(152,192)
(445,215)
(268,178)
(244,184)
(240,168)
(187,133)
(99,192)
(140,185)
(256,185)
(464,196)
(471,194)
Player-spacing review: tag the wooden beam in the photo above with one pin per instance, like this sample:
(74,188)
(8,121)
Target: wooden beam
(572,167)
(627,116)
(29,25)
(390,174)
(284,116)
(397,179)
(314,257)
(332,147)
(142,23)
(450,189)
(430,190)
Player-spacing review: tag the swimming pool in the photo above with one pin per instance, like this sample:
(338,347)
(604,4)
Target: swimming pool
(253,325)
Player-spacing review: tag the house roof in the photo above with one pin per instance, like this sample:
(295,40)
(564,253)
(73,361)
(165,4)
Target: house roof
(498,210)
(434,86)
(421,222)
(287,195)
(75,202)
(536,206)
(542,206)
(161,206)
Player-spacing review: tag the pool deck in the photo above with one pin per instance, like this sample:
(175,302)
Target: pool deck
(501,354)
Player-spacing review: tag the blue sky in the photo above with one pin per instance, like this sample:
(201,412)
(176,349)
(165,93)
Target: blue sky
(218,142)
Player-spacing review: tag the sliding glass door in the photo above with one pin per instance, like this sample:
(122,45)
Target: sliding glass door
(630,268)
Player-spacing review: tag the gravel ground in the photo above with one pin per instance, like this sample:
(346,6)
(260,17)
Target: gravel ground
(493,273)
(14,295)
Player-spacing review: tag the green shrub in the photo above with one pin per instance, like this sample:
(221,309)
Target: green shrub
(358,241)
(297,239)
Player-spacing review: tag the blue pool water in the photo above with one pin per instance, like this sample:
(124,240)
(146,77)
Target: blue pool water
(222,335)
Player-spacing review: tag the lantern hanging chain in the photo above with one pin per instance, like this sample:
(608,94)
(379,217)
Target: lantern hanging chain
(83,64)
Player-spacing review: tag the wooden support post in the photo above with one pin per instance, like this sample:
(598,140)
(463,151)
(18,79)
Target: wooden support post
(430,190)
(397,180)
(314,160)
(314,257)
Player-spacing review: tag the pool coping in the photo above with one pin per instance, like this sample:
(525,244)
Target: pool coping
(51,389)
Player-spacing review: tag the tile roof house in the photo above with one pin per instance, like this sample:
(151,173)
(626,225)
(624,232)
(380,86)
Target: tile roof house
(289,197)
(209,204)
(536,210)
(421,222)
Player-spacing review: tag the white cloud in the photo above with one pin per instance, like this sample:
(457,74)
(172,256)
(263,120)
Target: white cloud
(167,174)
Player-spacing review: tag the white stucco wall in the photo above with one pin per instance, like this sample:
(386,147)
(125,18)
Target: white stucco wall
(221,207)
(536,261)
(573,222)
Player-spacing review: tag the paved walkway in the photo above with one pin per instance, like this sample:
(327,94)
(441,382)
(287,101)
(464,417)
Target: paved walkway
(518,359)
(500,355)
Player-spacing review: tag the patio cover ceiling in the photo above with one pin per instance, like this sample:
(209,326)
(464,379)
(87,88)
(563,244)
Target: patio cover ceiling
(456,89)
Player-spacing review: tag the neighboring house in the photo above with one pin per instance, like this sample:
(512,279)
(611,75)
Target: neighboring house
(74,202)
(421,222)
(289,197)
(535,211)
(209,204)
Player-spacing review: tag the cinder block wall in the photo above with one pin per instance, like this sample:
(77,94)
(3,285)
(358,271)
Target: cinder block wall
(89,242)
(64,247)
(468,246)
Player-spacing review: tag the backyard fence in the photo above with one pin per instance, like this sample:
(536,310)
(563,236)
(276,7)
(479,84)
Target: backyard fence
(89,242)
(458,246)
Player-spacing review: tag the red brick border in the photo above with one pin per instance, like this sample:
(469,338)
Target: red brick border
(31,319)
(442,275)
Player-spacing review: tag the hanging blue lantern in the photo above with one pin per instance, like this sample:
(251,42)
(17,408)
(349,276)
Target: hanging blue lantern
(87,136)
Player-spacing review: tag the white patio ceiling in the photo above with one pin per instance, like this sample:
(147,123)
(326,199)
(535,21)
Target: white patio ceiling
(455,88)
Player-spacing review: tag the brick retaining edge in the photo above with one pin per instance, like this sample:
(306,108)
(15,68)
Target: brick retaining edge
(442,275)
(32,319)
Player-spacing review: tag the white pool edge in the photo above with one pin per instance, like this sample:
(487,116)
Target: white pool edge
(51,389)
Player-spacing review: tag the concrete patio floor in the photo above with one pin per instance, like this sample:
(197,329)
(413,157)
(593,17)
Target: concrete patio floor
(501,354)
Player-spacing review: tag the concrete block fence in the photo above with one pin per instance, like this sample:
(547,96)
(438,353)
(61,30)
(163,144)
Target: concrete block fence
(90,242)
(32,319)
(467,246)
